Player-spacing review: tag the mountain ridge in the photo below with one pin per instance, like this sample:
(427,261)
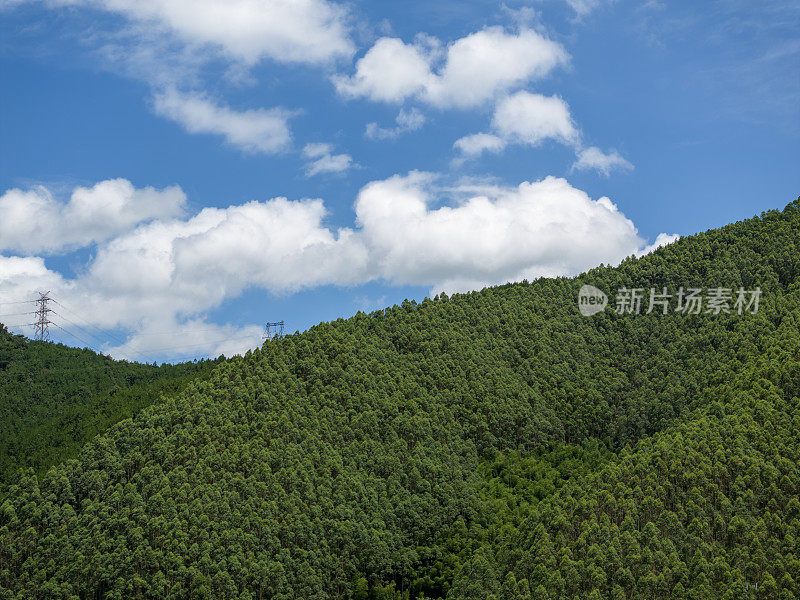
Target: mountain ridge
(384,456)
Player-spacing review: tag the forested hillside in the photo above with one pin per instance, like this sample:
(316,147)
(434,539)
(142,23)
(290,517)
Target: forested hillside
(53,398)
(496,444)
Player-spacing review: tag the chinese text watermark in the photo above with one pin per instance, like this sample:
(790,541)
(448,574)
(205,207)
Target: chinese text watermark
(687,301)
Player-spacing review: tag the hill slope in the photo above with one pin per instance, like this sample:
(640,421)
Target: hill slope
(490,445)
(54,399)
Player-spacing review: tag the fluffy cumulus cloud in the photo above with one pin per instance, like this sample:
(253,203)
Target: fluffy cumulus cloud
(164,276)
(501,234)
(390,71)
(260,130)
(292,31)
(321,159)
(594,158)
(35,221)
(468,73)
(20,276)
(530,119)
(523,118)
(278,245)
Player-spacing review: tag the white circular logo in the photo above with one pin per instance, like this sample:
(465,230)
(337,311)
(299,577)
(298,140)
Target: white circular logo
(591,300)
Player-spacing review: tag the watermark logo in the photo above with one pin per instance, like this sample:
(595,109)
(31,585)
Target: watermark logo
(591,300)
(685,301)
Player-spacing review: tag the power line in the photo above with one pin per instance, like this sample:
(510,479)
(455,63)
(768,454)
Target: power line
(42,332)
(19,314)
(98,338)
(145,352)
(88,345)
(117,339)
(77,316)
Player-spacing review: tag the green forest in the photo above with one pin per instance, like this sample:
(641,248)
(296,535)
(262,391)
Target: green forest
(54,399)
(490,445)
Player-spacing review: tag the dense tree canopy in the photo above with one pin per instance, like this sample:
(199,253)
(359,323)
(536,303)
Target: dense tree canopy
(495,444)
(54,399)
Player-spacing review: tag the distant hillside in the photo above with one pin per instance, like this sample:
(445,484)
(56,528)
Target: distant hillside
(53,398)
(493,445)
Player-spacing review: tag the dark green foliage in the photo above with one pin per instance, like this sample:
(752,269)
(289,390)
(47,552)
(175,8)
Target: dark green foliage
(705,509)
(53,398)
(490,445)
(510,486)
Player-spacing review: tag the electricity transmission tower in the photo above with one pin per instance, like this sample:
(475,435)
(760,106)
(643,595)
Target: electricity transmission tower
(42,321)
(273,331)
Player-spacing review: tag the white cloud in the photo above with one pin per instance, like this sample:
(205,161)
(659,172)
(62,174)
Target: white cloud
(278,245)
(523,118)
(390,71)
(407,120)
(182,340)
(185,267)
(292,31)
(324,161)
(256,130)
(476,68)
(478,143)
(491,61)
(500,234)
(34,221)
(662,239)
(168,43)
(163,277)
(21,276)
(528,118)
(594,158)
(540,228)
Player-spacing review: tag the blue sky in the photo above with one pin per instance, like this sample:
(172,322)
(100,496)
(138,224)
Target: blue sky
(178,173)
